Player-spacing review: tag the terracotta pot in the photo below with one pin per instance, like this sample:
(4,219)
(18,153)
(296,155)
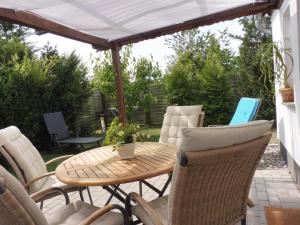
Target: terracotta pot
(126,151)
(287,94)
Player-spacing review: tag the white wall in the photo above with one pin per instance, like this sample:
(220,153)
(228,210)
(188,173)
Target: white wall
(286,28)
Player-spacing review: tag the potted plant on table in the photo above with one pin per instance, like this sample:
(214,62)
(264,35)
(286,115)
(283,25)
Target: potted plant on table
(123,138)
(273,65)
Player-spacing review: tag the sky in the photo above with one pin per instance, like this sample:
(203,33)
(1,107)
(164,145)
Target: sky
(155,47)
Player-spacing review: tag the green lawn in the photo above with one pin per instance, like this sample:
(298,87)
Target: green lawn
(152,134)
(48,156)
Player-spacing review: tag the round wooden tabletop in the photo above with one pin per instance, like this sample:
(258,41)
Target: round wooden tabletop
(102,166)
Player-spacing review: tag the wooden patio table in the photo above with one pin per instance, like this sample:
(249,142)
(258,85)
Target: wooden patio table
(103,167)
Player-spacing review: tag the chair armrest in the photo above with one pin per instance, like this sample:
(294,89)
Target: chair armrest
(60,158)
(153,215)
(250,203)
(38,196)
(38,178)
(100,212)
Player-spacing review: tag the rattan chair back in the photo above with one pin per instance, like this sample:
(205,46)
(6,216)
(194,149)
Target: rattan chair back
(212,187)
(178,117)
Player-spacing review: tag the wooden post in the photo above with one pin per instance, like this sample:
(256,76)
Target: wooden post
(119,82)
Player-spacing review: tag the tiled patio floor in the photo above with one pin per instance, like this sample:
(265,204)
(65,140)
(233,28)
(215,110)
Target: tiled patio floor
(269,187)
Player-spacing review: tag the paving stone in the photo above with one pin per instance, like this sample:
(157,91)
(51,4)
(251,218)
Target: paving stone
(262,195)
(261,187)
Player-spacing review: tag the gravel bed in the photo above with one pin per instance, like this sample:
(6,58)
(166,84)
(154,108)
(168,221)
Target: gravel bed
(273,158)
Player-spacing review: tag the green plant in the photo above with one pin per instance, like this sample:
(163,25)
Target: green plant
(273,63)
(119,134)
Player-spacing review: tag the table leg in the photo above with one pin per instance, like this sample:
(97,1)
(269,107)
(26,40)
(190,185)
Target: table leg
(159,192)
(141,188)
(114,193)
(166,185)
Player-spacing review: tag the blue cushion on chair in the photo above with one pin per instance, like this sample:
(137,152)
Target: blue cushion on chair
(245,111)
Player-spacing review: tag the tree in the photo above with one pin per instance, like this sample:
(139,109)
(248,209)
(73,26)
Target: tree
(70,88)
(11,31)
(12,42)
(145,74)
(216,93)
(182,83)
(137,80)
(248,74)
(104,74)
(33,86)
(25,97)
(199,73)
(191,41)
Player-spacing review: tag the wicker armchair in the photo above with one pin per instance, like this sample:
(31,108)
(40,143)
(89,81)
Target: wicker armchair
(176,118)
(16,207)
(30,167)
(211,177)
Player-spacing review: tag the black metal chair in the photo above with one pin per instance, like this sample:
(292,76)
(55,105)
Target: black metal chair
(60,134)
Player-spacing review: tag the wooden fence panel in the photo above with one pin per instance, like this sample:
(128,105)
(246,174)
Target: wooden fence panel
(96,105)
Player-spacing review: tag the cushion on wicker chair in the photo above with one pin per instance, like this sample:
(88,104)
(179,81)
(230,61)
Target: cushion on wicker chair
(25,154)
(177,117)
(160,205)
(71,214)
(21,195)
(78,211)
(216,137)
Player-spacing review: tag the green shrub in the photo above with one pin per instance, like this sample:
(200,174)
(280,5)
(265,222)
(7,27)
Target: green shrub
(86,129)
(31,86)
(200,74)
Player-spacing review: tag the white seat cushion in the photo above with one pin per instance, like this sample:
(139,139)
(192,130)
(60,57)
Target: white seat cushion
(216,137)
(176,118)
(21,195)
(160,205)
(25,154)
(77,211)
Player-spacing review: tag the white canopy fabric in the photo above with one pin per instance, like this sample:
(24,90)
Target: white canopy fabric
(116,19)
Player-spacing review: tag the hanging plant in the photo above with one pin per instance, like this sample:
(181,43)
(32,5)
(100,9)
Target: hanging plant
(273,58)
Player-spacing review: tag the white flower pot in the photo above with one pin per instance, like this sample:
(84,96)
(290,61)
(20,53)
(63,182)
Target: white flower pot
(126,151)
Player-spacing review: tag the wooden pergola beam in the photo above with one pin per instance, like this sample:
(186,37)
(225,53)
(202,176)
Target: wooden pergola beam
(34,21)
(229,14)
(115,50)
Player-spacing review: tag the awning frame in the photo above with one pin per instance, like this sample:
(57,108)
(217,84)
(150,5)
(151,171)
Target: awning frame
(39,23)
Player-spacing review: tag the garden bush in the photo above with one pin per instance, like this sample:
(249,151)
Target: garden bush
(200,74)
(31,86)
